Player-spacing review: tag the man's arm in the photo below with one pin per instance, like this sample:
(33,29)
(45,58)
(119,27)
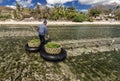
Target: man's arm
(46,32)
(38,28)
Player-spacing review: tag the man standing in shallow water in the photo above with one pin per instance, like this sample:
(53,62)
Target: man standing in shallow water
(43,31)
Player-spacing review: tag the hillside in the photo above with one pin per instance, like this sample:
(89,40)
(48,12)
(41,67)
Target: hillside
(5,8)
(5,11)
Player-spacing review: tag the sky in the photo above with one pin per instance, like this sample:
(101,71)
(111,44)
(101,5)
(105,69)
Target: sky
(82,5)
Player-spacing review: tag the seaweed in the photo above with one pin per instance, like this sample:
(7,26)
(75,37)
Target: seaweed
(18,65)
(52,45)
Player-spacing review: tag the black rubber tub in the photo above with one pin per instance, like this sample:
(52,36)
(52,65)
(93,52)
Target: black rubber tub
(32,49)
(54,57)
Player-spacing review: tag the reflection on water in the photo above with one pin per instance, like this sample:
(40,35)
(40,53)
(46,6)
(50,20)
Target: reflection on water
(84,32)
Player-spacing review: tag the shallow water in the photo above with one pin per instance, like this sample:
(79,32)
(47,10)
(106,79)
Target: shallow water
(84,32)
(14,60)
(66,32)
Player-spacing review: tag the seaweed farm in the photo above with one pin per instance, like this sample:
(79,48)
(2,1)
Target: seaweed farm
(18,65)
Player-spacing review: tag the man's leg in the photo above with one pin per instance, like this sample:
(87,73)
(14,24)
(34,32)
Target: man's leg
(42,38)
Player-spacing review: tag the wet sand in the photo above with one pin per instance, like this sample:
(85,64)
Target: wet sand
(59,23)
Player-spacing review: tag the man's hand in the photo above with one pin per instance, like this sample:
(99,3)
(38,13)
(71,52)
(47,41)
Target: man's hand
(48,36)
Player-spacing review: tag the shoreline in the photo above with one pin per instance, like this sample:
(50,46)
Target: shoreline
(59,23)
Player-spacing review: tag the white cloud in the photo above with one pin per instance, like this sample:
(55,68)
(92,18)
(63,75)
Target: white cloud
(83,10)
(11,6)
(49,5)
(58,1)
(1,1)
(98,2)
(39,3)
(25,3)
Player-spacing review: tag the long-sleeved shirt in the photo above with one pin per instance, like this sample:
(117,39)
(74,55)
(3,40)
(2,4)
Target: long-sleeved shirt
(42,29)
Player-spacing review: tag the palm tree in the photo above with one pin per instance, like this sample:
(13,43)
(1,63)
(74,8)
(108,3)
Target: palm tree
(14,14)
(17,7)
(47,12)
(37,12)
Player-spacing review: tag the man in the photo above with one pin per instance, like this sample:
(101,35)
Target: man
(43,32)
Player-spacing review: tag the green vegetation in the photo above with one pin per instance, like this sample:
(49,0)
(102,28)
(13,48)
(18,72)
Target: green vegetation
(117,13)
(96,67)
(61,13)
(34,40)
(34,43)
(79,18)
(4,17)
(52,45)
(16,64)
(94,12)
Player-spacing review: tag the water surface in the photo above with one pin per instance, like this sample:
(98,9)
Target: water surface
(84,32)
(67,32)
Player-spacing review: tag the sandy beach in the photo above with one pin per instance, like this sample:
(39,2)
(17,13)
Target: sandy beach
(59,23)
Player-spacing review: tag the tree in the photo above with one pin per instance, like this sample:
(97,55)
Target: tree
(79,18)
(17,7)
(46,12)
(14,14)
(94,12)
(117,14)
(71,13)
(38,11)
(55,13)
(102,9)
